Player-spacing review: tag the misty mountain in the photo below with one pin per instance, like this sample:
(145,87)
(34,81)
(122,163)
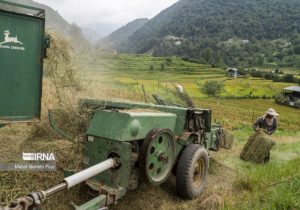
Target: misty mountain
(91,35)
(55,22)
(191,27)
(104,28)
(122,34)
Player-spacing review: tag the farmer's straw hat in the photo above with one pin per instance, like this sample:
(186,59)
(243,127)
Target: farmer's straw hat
(272,112)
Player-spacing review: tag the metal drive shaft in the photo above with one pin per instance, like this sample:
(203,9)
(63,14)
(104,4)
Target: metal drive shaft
(90,172)
(35,199)
(55,189)
(81,176)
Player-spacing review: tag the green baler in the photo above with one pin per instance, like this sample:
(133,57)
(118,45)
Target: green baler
(150,141)
(131,142)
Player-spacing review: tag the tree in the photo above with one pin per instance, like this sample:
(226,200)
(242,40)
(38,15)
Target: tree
(260,60)
(212,88)
(207,55)
(219,62)
(297,49)
(288,78)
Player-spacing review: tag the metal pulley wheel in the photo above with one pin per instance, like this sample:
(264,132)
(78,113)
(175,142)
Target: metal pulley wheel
(157,155)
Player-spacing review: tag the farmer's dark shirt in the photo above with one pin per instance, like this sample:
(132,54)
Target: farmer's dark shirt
(262,123)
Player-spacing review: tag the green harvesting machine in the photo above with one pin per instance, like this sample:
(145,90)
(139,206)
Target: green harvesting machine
(126,143)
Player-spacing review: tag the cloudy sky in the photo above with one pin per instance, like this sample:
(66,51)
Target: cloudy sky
(108,14)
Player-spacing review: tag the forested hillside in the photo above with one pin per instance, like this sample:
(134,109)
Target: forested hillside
(232,32)
(122,34)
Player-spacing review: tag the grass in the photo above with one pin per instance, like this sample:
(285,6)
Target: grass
(252,86)
(240,113)
(285,70)
(272,186)
(269,186)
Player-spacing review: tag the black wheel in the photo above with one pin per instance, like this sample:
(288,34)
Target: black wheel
(192,171)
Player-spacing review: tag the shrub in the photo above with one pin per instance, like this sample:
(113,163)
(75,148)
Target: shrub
(212,88)
(168,61)
(288,78)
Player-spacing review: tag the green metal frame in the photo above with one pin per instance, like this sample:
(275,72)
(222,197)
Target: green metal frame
(179,111)
(39,12)
(128,126)
(101,201)
(23,111)
(99,149)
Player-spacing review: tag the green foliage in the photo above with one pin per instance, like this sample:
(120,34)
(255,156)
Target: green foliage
(218,32)
(212,88)
(207,55)
(168,61)
(288,78)
(276,77)
(219,62)
(280,98)
(297,49)
(121,35)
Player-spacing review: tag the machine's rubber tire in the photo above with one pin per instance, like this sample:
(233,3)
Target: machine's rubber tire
(189,183)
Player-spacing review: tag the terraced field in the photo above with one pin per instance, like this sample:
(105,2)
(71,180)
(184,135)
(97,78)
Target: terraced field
(123,75)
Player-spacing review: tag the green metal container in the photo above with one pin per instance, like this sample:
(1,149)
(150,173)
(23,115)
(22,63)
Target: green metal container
(22,44)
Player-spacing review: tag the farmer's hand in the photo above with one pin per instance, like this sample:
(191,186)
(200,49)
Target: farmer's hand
(267,132)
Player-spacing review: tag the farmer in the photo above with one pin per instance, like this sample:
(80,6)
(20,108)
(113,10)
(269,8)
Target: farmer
(268,122)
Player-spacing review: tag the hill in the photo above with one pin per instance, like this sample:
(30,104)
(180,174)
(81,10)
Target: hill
(122,34)
(91,35)
(237,32)
(55,22)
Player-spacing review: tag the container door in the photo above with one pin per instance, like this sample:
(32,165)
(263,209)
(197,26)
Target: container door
(21,60)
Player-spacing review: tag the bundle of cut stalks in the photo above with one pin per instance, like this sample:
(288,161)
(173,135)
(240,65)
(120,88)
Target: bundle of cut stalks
(60,65)
(258,148)
(227,139)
